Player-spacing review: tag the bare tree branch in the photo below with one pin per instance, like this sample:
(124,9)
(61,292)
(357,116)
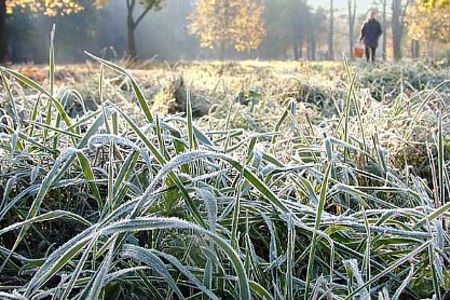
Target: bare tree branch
(147,9)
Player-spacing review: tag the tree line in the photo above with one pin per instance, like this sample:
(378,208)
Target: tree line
(267,29)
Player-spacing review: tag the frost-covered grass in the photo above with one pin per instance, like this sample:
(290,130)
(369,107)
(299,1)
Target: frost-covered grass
(278,193)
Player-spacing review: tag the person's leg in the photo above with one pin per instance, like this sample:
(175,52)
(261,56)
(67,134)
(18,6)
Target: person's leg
(373,54)
(368,53)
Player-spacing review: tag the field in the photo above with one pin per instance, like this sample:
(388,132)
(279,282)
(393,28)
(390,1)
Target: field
(264,180)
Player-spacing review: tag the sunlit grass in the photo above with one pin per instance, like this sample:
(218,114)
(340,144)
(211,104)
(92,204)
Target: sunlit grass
(273,195)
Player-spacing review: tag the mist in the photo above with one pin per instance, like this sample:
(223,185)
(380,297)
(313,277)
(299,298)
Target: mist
(295,29)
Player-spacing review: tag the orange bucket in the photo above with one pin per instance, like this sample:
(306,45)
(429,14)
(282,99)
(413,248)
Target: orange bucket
(359,52)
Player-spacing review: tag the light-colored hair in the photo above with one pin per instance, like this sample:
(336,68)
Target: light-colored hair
(371,13)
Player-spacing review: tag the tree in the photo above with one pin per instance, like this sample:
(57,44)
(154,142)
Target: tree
(384,25)
(429,4)
(351,4)
(136,11)
(428,24)
(222,23)
(287,23)
(415,49)
(398,26)
(297,32)
(318,26)
(3,33)
(132,22)
(50,8)
(384,47)
(330,54)
(299,14)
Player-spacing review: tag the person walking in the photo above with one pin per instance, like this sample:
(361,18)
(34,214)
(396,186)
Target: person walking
(370,34)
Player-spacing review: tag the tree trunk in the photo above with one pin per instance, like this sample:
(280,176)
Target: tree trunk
(398,26)
(415,49)
(430,50)
(308,47)
(296,31)
(396,29)
(313,47)
(300,47)
(384,47)
(330,54)
(222,51)
(302,15)
(351,26)
(296,40)
(296,50)
(133,24)
(131,30)
(3,33)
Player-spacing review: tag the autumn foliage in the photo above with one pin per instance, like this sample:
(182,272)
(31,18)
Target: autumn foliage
(221,23)
(434,3)
(428,24)
(50,8)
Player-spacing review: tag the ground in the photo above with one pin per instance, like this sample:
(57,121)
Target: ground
(270,179)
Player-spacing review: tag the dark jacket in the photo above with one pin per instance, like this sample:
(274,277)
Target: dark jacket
(370,33)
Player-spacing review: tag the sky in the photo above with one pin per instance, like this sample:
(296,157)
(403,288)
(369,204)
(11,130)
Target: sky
(362,5)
